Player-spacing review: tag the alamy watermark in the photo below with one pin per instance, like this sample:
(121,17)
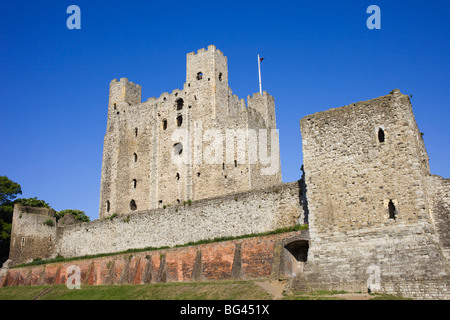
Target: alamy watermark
(74,20)
(374,21)
(228,146)
(73,277)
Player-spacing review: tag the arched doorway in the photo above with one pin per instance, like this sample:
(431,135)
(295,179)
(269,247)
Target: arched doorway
(298,250)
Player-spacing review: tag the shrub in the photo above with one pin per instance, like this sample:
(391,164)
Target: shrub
(78,215)
(49,222)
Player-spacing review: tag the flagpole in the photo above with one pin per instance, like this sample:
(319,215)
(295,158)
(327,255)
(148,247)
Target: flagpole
(259,70)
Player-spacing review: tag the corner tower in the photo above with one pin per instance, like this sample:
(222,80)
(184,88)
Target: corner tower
(207,75)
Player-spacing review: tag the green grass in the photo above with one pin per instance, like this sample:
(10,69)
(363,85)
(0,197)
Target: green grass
(383,296)
(217,290)
(315,295)
(227,290)
(332,295)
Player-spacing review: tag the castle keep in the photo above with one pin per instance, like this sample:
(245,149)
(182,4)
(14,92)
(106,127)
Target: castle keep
(192,144)
(377,219)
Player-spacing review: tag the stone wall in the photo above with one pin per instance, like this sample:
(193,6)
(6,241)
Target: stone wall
(372,202)
(440,210)
(251,258)
(33,233)
(233,215)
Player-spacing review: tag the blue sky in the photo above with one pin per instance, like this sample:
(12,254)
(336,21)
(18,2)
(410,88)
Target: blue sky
(319,55)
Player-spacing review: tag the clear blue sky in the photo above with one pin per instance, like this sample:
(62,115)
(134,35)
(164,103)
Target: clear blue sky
(319,55)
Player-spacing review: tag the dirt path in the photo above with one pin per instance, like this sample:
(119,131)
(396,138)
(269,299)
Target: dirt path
(353,296)
(275,288)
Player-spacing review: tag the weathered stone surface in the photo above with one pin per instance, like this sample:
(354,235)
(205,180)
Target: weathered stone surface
(139,171)
(372,202)
(233,215)
(249,258)
(378,220)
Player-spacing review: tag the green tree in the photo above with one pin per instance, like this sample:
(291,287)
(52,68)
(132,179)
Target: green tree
(8,192)
(32,202)
(77,214)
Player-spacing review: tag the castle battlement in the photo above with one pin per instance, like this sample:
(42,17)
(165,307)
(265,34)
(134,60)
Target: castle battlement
(210,48)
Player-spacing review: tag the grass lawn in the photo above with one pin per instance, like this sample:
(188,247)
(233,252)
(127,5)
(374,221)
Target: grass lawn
(238,290)
(223,290)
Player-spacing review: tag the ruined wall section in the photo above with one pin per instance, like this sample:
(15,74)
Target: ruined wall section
(358,159)
(366,175)
(232,215)
(250,258)
(33,234)
(236,214)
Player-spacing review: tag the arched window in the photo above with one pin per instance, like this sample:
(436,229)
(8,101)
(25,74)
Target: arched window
(220,76)
(134,183)
(392,210)
(133,205)
(179,104)
(108,206)
(135,157)
(164,124)
(199,76)
(179,120)
(177,176)
(381,135)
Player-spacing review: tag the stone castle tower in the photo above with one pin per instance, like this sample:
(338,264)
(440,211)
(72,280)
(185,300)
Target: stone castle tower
(195,143)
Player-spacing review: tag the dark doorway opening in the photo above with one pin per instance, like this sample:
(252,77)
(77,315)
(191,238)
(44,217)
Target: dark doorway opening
(381,135)
(392,210)
(133,205)
(299,249)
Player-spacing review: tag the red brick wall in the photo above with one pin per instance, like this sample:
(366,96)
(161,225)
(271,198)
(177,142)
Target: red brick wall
(250,258)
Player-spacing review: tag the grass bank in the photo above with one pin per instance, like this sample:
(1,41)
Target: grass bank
(239,290)
(223,290)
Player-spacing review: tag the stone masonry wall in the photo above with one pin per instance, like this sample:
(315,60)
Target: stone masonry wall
(140,170)
(370,201)
(250,258)
(233,215)
(33,233)
(440,210)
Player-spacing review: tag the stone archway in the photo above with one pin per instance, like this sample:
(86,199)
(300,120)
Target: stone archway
(298,251)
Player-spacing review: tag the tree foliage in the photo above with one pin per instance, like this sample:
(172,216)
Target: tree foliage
(9,190)
(77,215)
(32,202)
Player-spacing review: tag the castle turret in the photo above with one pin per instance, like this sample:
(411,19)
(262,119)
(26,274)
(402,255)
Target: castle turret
(265,105)
(207,76)
(123,91)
